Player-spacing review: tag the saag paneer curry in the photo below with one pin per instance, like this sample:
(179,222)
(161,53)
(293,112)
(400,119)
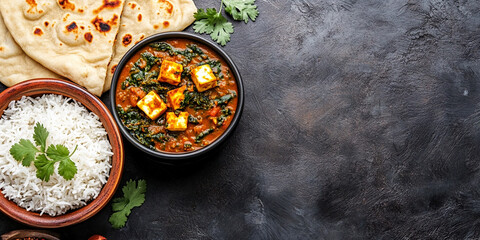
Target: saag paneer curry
(176,95)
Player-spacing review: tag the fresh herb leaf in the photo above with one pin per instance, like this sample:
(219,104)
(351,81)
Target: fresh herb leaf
(213,23)
(44,167)
(118,219)
(241,9)
(40,136)
(217,26)
(67,168)
(133,196)
(203,25)
(57,152)
(24,151)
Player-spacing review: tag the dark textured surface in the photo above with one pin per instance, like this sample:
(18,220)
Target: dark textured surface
(361,121)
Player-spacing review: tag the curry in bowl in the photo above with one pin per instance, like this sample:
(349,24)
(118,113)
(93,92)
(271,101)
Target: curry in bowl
(176,95)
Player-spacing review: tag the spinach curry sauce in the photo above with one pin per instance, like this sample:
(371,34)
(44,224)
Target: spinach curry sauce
(209,112)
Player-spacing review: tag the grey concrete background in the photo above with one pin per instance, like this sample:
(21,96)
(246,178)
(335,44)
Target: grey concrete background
(361,121)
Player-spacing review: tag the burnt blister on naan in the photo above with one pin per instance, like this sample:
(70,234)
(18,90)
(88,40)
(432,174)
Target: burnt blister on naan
(71,27)
(38,32)
(65,4)
(88,36)
(167,6)
(32,4)
(104,26)
(126,40)
(34,11)
(111,4)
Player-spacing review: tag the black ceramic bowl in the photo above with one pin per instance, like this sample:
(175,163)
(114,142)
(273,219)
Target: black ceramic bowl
(171,157)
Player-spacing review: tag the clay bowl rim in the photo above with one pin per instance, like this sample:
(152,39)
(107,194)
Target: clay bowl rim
(181,158)
(41,86)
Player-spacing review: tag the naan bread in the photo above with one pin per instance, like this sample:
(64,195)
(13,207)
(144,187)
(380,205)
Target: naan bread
(15,65)
(73,38)
(142,18)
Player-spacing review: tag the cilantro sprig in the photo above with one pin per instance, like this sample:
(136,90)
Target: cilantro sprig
(211,22)
(43,157)
(133,196)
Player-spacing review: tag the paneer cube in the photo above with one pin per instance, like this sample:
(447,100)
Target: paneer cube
(170,72)
(177,123)
(152,105)
(204,78)
(176,96)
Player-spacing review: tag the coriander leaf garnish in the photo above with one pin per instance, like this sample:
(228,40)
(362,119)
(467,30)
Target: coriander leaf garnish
(57,152)
(67,169)
(40,136)
(26,152)
(44,167)
(241,9)
(217,26)
(133,196)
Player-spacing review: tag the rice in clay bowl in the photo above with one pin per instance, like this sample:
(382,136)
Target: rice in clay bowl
(95,180)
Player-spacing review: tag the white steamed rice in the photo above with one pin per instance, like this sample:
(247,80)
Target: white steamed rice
(69,123)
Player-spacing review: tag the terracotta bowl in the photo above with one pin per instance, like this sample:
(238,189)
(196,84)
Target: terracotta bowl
(38,87)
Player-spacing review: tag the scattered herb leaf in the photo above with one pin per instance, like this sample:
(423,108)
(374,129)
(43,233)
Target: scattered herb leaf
(26,152)
(211,22)
(241,9)
(133,196)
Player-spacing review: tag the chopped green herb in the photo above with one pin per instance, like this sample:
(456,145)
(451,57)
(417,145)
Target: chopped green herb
(203,134)
(187,146)
(149,59)
(196,100)
(222,118)
(192,119)
(137,123)
(224,99)
(164,47)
